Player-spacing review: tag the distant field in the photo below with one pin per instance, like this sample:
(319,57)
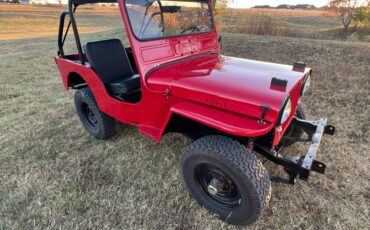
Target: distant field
(315,24)
(25,21)
(53,175)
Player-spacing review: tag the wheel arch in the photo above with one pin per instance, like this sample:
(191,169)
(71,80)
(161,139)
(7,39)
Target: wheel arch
(181,124)
(75,81)
(190,116)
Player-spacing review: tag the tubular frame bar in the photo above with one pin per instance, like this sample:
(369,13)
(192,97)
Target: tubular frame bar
(75,30)
(60,33)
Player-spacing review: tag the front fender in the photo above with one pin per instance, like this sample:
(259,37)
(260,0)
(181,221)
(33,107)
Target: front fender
(225,121)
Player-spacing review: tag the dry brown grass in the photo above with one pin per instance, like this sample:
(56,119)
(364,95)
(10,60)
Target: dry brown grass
(317,24)
(56,9)
(27,21)
(54,175)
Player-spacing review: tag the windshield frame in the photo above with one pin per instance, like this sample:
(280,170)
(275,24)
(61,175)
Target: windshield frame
(173,36)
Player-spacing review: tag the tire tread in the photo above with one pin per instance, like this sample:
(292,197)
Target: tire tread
(107,125)
(246,161)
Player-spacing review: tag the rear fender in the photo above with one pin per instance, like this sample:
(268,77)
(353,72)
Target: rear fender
(67,68)
(225,121)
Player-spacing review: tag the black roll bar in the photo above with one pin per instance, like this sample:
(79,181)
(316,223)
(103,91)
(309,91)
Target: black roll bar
(72,6)
(75,30)
(60,33)
(61,38)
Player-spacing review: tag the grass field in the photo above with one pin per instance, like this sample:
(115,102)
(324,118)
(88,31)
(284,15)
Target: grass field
(53,175)
(316,24)
(25,21)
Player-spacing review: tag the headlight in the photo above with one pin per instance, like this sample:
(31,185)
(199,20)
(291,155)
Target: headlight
(306,85)
(286,110)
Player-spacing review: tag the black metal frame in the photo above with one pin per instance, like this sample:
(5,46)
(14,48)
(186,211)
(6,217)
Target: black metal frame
(61,38)
(301,166)
(75,30)
(72,6)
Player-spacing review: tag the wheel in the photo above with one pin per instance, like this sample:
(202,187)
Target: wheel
(294,131)
(227,179)
(95,122)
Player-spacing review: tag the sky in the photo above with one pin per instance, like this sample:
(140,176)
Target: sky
(248,3)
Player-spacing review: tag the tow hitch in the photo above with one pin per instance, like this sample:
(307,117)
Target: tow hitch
(301,166)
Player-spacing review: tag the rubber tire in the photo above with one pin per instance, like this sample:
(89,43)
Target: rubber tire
(294,131)
(106,124)
(241,165)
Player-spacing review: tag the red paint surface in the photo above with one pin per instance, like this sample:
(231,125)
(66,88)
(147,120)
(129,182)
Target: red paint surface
(222,92)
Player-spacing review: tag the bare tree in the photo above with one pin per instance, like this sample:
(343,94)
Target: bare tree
(345,9)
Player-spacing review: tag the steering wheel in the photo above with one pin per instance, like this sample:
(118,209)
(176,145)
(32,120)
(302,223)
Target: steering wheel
(192,28)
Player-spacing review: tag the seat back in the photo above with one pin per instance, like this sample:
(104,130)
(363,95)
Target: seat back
(109,60)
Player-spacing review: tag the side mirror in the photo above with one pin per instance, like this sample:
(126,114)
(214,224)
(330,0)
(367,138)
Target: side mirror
(220,42)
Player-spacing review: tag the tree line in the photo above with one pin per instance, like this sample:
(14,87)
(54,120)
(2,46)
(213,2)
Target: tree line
(287,6)
(350,12)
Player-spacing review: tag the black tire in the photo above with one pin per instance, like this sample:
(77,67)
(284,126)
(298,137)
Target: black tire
(294,131)
(246,189)
(95,122)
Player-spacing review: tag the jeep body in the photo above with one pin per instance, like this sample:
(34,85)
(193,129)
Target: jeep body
(186,85)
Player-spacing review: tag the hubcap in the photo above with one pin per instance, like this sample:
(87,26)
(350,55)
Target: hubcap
(214,186)
(217,186)
(89,115)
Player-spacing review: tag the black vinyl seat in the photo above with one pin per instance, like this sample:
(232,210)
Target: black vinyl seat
(126,85)
(109,60)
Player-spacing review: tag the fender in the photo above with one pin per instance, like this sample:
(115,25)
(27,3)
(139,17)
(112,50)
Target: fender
(67,67)
(225,121)
(105,102)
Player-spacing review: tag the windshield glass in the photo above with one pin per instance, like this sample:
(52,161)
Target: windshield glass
(153,19)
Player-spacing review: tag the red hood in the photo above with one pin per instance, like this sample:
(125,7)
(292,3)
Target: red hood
(233,84)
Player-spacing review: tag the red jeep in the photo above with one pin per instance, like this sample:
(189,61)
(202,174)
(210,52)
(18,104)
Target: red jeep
(173,78)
